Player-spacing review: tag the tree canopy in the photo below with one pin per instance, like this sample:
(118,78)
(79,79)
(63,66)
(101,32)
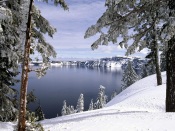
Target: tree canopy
(133,20)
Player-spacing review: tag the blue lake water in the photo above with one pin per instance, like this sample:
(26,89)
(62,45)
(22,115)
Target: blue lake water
(67,82)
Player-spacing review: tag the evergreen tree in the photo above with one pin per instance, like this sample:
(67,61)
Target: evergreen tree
(8,103)
(17,14)
(101,99)
(80,103)
(39,113)
(153,56)
(72,110)
(124,16)
(34,40)
(141,17)
(9,55)
(144,72)
(163,60)
(150,68)
(8,95)
(68,110)
(129,76)
(91,105)
(31,98)
(32,124)
(170,62)
(64,109)
(31,116)
(150,65)
(114,93)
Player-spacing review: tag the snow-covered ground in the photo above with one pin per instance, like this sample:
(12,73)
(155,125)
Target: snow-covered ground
(141,107)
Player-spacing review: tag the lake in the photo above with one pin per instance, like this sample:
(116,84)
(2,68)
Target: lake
(67,82)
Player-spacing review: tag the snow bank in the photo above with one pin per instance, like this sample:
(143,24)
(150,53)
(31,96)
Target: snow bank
(141,107)
(143,95)
(7,126)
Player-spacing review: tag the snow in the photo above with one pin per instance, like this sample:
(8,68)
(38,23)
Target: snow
(7,126)
(140,107)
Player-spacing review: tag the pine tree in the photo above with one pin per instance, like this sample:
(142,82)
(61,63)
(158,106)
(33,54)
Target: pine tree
(8,95)
(72,110)
(31,116)
(170,61)
(153,57)
(8,103)
(163,60)
(170,65)
(9,55)
(129,76)
(150,65)
(24,12)
(144,72)
(91,105)
(150,68)
(34,40)
(68,110)
(64,109)
(124,16)
(31,98)
(101,99)
(32,124)
(39,113)
(80,103)
(114,93)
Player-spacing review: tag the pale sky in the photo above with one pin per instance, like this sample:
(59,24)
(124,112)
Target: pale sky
(71,25)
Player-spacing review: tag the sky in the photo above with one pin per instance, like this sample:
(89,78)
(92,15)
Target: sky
(71,26)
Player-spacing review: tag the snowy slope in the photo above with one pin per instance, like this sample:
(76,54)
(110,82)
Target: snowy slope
(143,95)
(141,107)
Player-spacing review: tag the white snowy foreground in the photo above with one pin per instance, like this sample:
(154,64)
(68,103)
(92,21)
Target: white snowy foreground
(141,107)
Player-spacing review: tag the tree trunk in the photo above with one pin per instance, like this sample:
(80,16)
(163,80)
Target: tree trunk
(24,76)
(158,72)
(170,65)
(156,57)
(170,68)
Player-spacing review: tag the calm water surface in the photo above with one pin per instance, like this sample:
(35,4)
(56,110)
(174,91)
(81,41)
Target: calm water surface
(67,82)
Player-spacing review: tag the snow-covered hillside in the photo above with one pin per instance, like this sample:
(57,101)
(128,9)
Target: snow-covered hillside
(141,107)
